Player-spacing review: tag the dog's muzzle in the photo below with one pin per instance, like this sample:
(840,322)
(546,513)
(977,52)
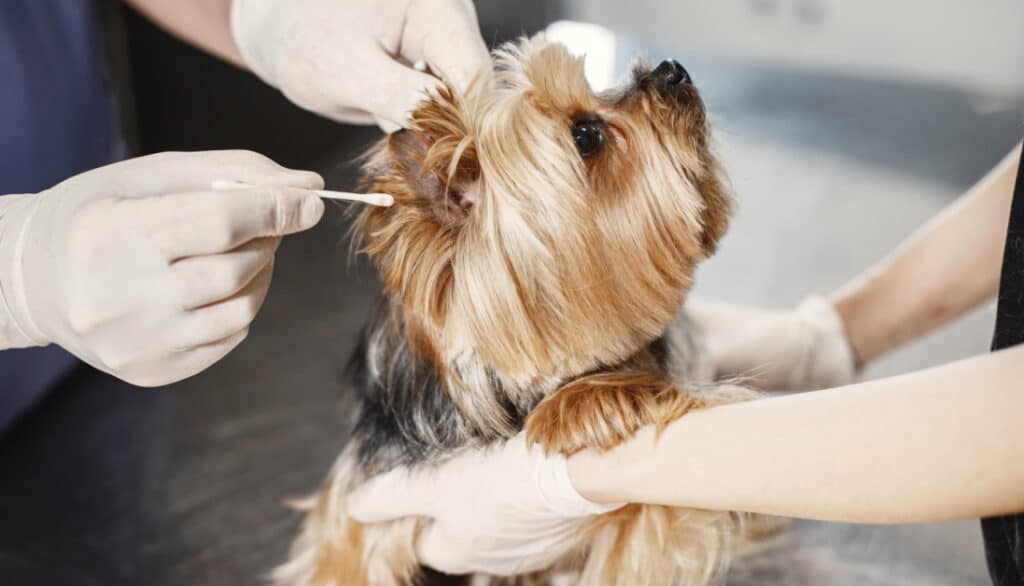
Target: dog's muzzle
(668,77)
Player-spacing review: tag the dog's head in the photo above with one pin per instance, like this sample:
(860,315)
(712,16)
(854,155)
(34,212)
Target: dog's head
(544,228)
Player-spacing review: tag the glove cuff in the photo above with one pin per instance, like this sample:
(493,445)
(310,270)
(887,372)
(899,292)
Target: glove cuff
(17,330)
(556,489)
(829,358)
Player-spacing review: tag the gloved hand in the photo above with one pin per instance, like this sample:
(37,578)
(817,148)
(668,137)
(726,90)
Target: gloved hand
(139,269)
(349,59)
(801,349)
(505,510)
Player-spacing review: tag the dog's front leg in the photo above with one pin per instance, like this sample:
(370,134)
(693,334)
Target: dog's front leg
(605,409)
(637,545)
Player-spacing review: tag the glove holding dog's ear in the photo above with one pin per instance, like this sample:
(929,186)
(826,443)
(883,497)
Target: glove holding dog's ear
(349,60)
(801,349)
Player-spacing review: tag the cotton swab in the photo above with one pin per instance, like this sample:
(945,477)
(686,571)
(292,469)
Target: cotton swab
(374,199)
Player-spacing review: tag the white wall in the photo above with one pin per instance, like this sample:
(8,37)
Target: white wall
(976,44)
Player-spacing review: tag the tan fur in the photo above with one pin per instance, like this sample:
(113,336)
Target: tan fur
(638,544)
(516,263)
(335,550)
(518,282)
(605,409)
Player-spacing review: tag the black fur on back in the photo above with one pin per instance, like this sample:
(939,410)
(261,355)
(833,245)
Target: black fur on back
(404,415)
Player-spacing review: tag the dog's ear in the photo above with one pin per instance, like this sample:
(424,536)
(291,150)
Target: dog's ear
(440,172)
(433,164)
(431,170)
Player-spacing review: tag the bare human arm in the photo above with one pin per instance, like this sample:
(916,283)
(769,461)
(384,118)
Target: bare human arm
(346,60)
(203,23)
(932,445)
(927,446)
(946,268)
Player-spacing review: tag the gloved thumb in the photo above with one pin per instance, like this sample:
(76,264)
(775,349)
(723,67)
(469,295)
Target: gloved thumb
(392,495)
(435,548)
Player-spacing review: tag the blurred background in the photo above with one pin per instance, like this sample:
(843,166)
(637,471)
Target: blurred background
(843,126)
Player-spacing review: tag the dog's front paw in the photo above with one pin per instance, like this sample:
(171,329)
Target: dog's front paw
(605,409)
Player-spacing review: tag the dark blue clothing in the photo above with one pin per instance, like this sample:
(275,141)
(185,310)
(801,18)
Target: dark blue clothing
(57,119)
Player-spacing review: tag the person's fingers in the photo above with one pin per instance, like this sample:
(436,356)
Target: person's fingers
(730,332)
(397,90)
(353,116)
(452,47)
(715,315)
(220,320)
(210,222)
(171,172)
(392,495)
(208,279)
(438,550)
(184,364)
(386,126)
(199,358)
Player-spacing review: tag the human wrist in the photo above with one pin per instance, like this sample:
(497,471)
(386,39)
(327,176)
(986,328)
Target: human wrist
(831,359)
(561,494)
(17,329)
(864,326)
(606,477)
(585,474)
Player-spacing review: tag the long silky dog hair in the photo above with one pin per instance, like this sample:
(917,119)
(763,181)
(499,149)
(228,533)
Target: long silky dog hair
(541,244)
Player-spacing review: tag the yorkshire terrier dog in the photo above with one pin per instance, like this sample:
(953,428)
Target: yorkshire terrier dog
(541,244)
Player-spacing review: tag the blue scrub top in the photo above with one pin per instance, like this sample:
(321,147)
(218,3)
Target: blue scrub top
(57,119)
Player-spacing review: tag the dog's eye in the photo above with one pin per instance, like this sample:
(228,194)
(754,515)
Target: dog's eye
(589,136)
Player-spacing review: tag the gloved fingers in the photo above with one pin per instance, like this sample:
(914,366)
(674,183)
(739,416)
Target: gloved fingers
(452,47)
(204,280)
(220,320)
(392,495)
(210,222)
(438,550)
(356,117)
(396,90)
(198,359)
(172,172)
(182,364)
(716,316)
(386,126)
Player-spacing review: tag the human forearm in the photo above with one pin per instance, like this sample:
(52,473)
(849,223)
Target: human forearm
(928,446)
(948,267)
(14,331)
(203,23)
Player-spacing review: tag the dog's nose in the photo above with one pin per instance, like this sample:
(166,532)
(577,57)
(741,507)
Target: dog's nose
(669,75)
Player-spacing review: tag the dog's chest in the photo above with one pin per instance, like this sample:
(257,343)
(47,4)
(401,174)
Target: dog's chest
(405,416)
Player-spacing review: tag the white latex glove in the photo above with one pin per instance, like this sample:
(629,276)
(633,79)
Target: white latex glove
(504,510)
(801,349)
(139,269)
(349,59)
